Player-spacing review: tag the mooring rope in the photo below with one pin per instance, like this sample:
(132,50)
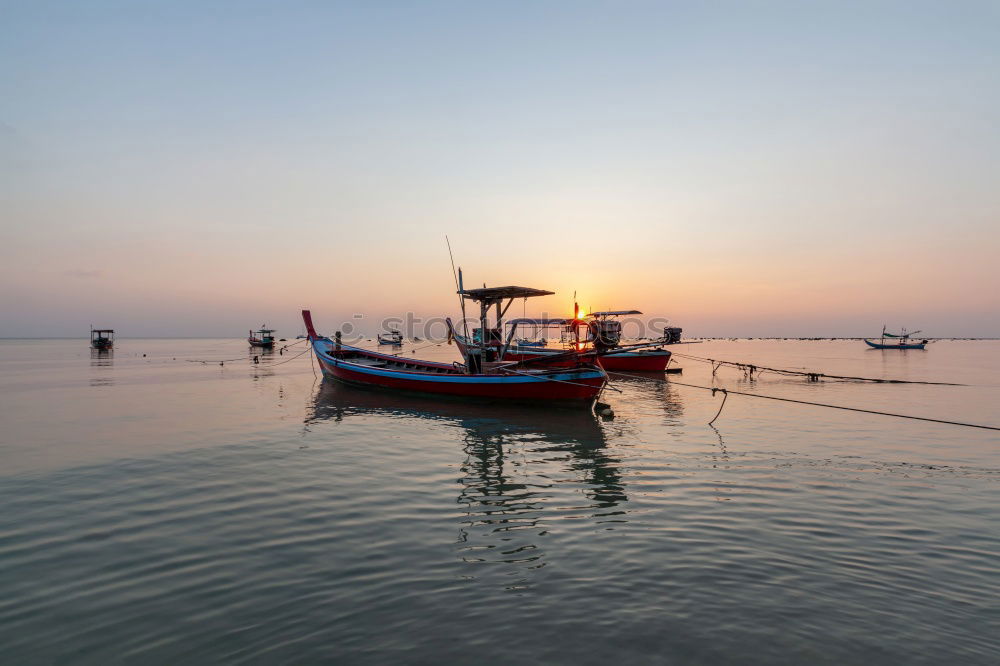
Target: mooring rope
(288,360)
(248,357)
(749,368)
(725,395)
(416,349)
(220,361)
(561,381)
(715,389)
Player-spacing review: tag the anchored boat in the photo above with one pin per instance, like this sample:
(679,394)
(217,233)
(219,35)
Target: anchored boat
(902,341)
(394,338)
(602,334)
(102,338)
(264,337)
(485,380)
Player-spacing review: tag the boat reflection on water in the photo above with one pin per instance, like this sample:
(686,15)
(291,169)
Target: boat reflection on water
(654,389)
(103,359)
(524,470)
(335,400)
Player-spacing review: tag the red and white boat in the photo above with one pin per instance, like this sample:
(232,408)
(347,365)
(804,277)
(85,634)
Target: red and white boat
(602,339)
(480,379)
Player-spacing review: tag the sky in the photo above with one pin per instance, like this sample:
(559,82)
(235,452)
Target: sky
(741,168)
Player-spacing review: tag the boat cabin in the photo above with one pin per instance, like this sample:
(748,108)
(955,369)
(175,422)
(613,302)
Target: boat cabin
(489,345)
(263,337)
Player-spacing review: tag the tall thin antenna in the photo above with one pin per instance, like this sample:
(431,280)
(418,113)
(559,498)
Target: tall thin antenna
(458,286)
(452,257)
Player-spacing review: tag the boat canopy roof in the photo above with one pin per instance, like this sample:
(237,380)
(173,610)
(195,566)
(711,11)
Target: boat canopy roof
(102,330)
(493,294)
(265,330)
(540,322)
(613,313)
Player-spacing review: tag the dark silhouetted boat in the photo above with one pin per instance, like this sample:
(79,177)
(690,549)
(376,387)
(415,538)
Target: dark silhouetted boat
(102,338)
(394,338)
(897,341)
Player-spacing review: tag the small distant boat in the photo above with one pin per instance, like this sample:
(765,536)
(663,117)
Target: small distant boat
(394,338)
(102,338)
(264,337)
(902,341)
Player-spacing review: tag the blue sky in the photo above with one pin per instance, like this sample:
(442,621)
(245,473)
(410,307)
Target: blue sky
(758,168)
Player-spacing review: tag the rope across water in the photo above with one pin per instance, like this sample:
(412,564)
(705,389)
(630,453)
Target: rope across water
(715,389)
(813,376)
(248,357)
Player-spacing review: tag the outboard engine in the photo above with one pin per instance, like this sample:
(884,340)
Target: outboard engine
(672,334)
(605,333)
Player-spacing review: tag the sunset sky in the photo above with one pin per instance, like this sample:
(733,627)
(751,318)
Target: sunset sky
(744,168)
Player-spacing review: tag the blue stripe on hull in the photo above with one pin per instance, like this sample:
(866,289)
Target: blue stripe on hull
(895,346)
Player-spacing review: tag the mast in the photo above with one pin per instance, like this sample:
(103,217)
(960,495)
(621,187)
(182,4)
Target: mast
(576,326)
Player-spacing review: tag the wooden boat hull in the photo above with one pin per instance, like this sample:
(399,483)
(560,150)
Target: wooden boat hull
(585,386)
(389,341)
(352,365)
(97,344)
(654,360)
(254,342)
(877,345)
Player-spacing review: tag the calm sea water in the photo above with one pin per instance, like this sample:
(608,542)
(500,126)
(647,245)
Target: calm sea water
(160,511)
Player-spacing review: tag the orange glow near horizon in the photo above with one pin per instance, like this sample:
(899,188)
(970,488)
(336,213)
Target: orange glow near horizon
(144,292)
(822,202)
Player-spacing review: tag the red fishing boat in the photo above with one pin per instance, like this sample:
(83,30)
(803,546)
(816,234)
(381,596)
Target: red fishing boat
(477,378)
(602,338)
